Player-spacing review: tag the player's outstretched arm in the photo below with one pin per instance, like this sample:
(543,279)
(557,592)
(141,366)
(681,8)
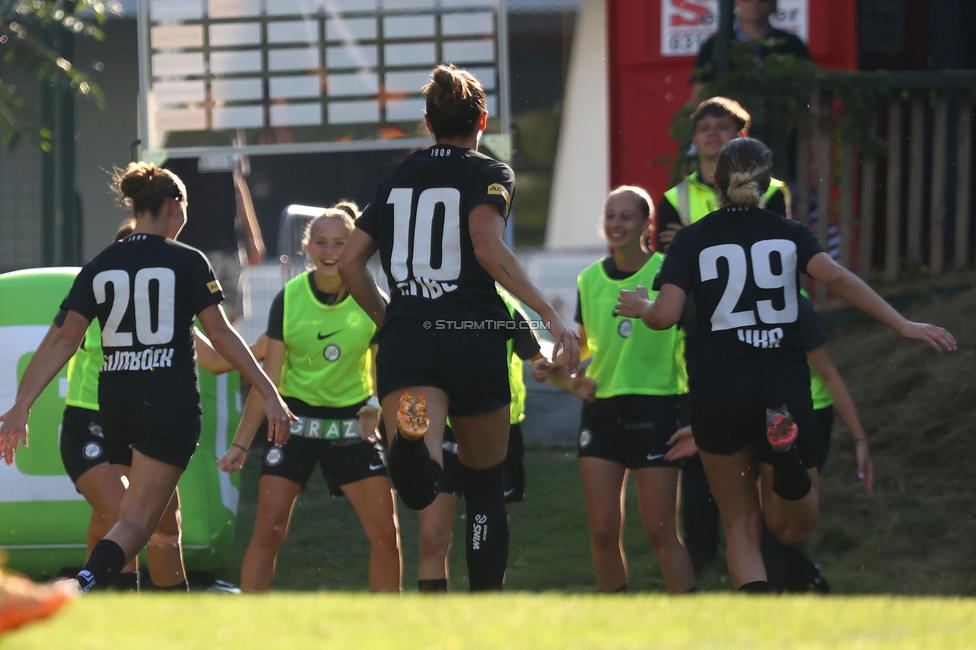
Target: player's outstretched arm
(823,365)
(487,229)
(210,360)
(369,413)
(231,346)
(233,459)
(660,314)
(248,220)
(359,247)
(854,290)
(58,345)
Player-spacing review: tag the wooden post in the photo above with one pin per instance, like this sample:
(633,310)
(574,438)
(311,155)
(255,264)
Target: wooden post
(916,180)
(801,200)
(893,192)
(865,231)
(821,140)
(937,207)
(964,152)
(846,202)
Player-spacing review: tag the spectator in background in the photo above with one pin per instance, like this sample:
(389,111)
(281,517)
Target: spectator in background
(717,120)
(751,26)
(221,208)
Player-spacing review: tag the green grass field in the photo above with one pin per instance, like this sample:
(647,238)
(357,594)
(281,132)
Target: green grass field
(512,620)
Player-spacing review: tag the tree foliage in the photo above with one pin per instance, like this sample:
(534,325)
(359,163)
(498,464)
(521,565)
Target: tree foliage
(780,87)
(29,30)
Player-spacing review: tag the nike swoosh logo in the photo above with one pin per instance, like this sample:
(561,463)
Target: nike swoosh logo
(509,493)
(373,467)
(655,456)
(322,337)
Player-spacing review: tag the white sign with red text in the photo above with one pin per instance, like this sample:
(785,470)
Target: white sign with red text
(686,23)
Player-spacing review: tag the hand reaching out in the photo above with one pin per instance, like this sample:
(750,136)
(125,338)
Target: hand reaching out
(540,369)
(938,337)
(631,304)
(279,420)
(682,445)
(584,388)
(369,420)
(865,468)
(13,431)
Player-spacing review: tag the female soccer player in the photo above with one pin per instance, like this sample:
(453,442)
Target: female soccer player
(746,357)
(634,394)
(320,352)
(438,222)
(436,521)
(145,292)
(85,457)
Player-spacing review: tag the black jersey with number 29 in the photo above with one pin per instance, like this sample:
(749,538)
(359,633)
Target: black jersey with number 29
(742,265)
(145,291)
(419,220)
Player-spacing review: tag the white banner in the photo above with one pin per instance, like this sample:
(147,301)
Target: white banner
(686,23)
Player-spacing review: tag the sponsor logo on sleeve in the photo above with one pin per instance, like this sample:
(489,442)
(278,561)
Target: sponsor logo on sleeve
(213,286)
(499,190)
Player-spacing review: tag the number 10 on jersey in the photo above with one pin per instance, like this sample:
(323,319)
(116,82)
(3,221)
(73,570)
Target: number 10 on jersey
(413,259)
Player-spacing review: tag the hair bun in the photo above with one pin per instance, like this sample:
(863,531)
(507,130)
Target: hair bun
(743,189)
(455,101)
(349,207)
(137,181)
(144,186)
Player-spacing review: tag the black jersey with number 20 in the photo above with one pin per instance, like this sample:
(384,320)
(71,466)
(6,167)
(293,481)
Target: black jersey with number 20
(145,291)
(742,265)
(419,219)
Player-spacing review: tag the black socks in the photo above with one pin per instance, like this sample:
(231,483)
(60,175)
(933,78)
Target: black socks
(415,476)
(103,567)
(486,526)
(757,587)
(432,586)
(129,581)
(790,478)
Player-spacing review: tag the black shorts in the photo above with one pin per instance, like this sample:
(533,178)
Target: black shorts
(823,426)
(82,441)
(160,430)
(514,466)
(344,456)
(342,461)
(729,402)
(471,366)
(632,430)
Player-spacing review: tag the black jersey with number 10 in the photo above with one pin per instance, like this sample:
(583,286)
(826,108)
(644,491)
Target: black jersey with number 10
(419,219)
(145,291)
(742,265)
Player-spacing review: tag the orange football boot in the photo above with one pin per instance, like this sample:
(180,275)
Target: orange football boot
(412,418)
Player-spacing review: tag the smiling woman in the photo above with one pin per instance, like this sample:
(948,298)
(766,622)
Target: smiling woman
(634,394)
(321,347)
(122,287)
